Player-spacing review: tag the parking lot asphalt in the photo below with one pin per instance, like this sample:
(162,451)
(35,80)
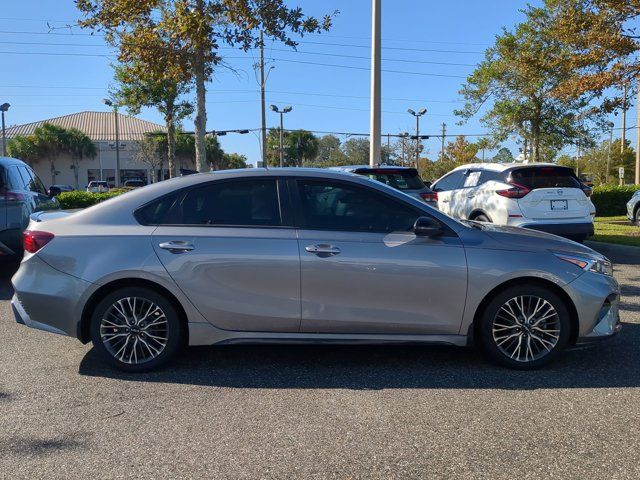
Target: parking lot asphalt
(320,412)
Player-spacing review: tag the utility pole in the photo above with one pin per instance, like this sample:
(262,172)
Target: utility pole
(637,179)
(263,105)
(376,81)
(623,137)
(578,160)
(606,175)
(444,133)
(3,108)
(115,106)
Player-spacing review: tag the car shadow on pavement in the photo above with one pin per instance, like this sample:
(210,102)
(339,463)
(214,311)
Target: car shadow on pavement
(601,365)
(7,269)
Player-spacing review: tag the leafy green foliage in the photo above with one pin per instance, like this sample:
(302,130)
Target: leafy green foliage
(82,199)
(612,200)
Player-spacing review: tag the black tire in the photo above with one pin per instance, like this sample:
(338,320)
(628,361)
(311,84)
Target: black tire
(487,338)
(637,217)
(482,218)
(171,330)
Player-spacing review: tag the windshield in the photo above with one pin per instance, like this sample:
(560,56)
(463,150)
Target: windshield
(405,179)
(545,177)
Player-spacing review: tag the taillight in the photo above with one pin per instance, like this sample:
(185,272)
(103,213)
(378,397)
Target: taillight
(516,191)
(587,190)
(10,196)
(34,240)
(429,197)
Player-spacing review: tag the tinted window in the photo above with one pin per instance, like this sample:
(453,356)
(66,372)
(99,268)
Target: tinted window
(242,203)
(450,182)
(398,179)
(16,181)
(33,182)
(338,206)
(487,175)
(545,177)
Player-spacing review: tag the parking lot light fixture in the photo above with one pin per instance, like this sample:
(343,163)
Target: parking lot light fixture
(112,104)
(286,109)
(420,113)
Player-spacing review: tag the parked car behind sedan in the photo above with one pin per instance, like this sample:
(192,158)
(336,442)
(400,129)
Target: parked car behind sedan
(98,186)
(55,190)
(135,183)
(405,179)
(539,196)
(304,255)
(21,194)
(633,208)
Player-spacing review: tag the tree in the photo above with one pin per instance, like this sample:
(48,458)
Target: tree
(51,141)
(191,31)
(233,160)
(504,155)
(357,151)
(329,152)
(186,151)
(302,146)
(603,43)
(460,151)
(151,152)
(80,146)
(484,144)
(137,89)
(594,161)
(519,74)
(24,148)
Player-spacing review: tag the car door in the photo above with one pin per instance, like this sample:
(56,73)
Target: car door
(229,247)
(445,188)
(464,198)
(363,271)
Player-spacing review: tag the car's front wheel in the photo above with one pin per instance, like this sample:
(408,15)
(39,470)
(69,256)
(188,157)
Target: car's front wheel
(136,329)
(524,327)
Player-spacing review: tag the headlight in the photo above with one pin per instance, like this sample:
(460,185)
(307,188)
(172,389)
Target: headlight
(591,264)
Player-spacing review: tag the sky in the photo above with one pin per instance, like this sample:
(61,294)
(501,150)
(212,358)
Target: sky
(429,47)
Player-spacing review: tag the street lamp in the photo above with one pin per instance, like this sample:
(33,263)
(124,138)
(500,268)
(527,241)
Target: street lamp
(404,136)
(3,108)
(114,105)
(417,115)
(286,109)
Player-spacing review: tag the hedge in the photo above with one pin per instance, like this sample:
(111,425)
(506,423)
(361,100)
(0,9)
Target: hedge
(612,200)
(82,199)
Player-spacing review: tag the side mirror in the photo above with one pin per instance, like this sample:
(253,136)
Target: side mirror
(54,192)
(427,227)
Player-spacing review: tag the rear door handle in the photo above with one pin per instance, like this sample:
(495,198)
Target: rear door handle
(322,250)
(177,246)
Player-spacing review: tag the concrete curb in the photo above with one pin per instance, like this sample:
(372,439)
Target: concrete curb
(617,253)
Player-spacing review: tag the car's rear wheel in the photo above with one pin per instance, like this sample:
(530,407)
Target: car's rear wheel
(637,217)
(136,329)
(482,218)
(524,327)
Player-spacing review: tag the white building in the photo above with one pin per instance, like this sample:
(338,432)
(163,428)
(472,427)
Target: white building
(99,127)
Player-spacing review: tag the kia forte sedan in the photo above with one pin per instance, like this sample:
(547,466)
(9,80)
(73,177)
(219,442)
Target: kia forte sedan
(304,256)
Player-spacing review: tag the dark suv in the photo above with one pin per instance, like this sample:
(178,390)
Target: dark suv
(21,194)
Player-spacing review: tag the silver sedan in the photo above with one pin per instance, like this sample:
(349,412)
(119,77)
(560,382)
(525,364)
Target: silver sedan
(297,255)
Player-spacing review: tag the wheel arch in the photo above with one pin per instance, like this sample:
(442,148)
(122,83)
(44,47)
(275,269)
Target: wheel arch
(541,282)
(477,212)
(84,327)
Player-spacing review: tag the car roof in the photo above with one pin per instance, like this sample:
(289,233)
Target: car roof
(501,167)
(8,161)
(351,168)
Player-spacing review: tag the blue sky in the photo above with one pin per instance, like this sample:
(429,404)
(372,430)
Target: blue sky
(438,42)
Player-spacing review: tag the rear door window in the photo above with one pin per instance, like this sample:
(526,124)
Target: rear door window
(545,177)
(15,180)
(32,181)
(408,179)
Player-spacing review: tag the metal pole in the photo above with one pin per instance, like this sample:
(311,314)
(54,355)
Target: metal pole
(404,139)
(4,137)
(281,141)
(578,160)
(417,140)
(117,177)
(444,132)
(263,105)
(637,179)
(606,175)
(376,80)
(623,137)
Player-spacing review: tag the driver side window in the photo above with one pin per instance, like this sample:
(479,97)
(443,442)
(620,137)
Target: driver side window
(340,206)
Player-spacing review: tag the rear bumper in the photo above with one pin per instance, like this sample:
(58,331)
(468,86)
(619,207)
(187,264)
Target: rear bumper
(562,229)
(46,298)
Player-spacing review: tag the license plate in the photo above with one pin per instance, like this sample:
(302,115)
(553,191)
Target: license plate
(559,205)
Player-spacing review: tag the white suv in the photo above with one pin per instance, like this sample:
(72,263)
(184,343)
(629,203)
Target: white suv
(540,196)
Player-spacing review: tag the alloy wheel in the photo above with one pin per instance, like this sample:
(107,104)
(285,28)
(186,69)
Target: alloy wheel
(526,328)
(134,330)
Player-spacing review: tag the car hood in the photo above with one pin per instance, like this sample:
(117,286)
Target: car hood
(516,238)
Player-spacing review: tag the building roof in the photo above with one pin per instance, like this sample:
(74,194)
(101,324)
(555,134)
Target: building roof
(99,126)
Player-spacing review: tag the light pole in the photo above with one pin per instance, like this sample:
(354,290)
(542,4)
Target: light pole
(3,108)
(417,115)
(404,136)
(110,103)
(286,109)
(375,121)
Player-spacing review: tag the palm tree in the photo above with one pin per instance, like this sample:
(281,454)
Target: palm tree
(51,140)
(80,147)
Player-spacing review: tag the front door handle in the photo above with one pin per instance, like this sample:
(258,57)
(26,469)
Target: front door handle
(177,246)
(322,250)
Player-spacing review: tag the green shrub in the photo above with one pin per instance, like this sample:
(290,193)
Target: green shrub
(82,199)
(612,200)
